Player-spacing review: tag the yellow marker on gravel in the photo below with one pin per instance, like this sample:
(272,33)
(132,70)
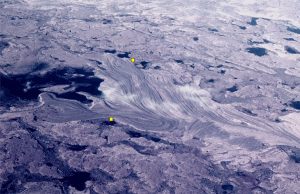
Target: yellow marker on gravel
(132,60)
(110,119)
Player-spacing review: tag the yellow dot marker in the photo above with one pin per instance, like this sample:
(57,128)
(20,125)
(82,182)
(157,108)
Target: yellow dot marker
(110,119)
(132,60)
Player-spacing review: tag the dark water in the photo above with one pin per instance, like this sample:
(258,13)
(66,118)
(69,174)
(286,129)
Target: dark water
(195,38)
(232,89)
(222,71)
(291,50)
(210,81)
(14,181)
(266,41)
(107,21)
(289,39)
(157,67)
(227,187)
(109,123)
(134,134)
(213,30)
(77,180)
(242,27)
(113,51)
(144,64)
(258,51)
(294,30)
(295,156)
(155,139)
(124,55)
(10,186)
(27,87)
(253,21)
(179,61)
(247,111)
(295,104)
